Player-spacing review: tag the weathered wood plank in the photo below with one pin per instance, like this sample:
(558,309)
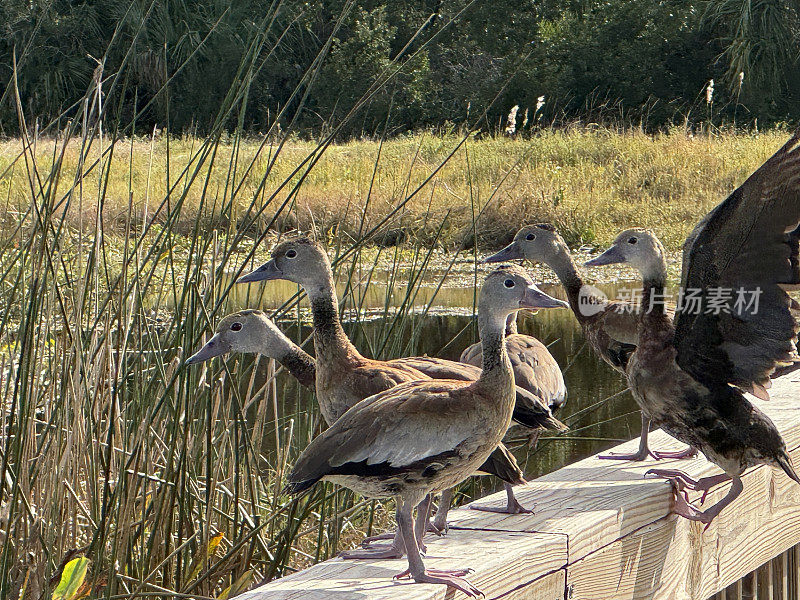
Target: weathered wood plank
(600,528)
(595,502)
(549,587)
(503,562)
(675,559)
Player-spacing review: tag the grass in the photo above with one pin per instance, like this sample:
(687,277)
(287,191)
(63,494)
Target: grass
(589,182)
(116,257)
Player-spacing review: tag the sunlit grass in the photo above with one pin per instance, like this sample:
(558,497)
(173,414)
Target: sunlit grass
(590,183)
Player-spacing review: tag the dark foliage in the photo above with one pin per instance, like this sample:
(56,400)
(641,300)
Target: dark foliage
(173,63)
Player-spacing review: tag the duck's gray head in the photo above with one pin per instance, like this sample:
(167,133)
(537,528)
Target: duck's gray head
(537,243)
(640,248)
(245,331)
(300,260)
(509,288)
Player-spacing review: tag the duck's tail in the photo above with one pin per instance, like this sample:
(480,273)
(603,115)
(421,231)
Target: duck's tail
(785,463)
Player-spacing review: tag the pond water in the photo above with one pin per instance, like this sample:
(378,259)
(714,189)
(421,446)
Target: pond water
(599,411)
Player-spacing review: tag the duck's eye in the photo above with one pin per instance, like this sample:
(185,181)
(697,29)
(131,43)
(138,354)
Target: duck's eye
(530,237)
(509,283)
(236,326)
(633,240)
(291,253)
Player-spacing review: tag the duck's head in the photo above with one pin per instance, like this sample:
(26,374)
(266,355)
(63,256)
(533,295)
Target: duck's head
(537,243)
(299,260)
(509,288)
(245,331)
(637,247)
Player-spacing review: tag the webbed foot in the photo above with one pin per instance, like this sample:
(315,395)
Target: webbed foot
(689,452)
(453,578)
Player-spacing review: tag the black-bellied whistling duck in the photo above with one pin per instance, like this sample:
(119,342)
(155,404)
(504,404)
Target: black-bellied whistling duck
(252,331)
(737,261)
(426,436)
(610,327)
(344,376)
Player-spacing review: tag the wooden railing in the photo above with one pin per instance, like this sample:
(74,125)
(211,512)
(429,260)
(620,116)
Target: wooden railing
(600,530)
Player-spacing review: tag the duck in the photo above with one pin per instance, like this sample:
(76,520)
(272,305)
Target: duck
(689,373)
(345,377)
(535,368)
(423,437)
(610,327)
(252,331)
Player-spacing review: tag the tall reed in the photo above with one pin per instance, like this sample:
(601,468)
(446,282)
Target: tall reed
(165,478)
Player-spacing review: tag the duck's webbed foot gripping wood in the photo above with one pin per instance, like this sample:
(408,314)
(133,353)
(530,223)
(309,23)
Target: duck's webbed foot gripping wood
(641,454)
(503,465)
(689,452)
(512,507)
(377,551)
(397,548)
(453,578)
(681,482)
(644,451)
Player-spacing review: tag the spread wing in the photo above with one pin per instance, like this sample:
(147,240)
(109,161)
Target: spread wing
(741,257)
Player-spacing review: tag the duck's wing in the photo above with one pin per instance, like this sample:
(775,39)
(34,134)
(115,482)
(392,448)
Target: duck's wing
(440,368)
(501,463)
(375,376)
(412,426)
(535,369)
(620,320)
(472,355)
(531,412)
(741,257)
(540,383)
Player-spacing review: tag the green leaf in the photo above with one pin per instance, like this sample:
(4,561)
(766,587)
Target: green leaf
(72,578)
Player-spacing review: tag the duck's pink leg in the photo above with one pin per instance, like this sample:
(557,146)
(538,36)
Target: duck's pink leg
(512,507)
(684,509)
(416,568)
(396,549)
(689,452)
(642,453)
(682,482)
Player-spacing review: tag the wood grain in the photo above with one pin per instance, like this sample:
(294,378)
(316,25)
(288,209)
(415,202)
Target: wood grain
(600,530)
(503,562)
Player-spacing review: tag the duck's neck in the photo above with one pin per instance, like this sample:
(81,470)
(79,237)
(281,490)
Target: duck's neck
(654,281)
(330,341)
(300,364)
(566,271)
(496,374)
(291,356)
(511,324)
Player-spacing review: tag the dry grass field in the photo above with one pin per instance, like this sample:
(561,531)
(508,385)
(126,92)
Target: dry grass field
(589,182)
